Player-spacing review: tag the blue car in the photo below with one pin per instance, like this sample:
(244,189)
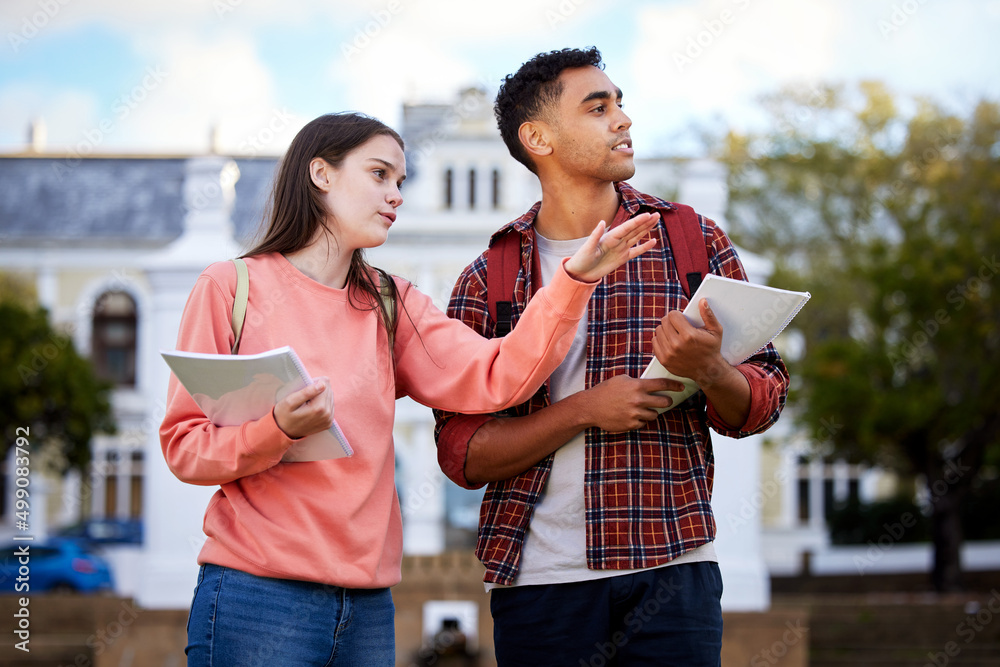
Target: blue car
(56,566)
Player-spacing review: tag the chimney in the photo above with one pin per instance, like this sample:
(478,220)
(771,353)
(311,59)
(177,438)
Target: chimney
(214,143)
(37,136)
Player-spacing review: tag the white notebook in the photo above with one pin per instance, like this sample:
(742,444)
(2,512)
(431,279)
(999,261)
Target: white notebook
(751,317)
(233,388)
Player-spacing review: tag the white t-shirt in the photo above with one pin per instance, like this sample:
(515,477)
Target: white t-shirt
(555,546)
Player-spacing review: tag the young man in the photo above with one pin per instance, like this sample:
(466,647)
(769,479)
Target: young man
(596,529)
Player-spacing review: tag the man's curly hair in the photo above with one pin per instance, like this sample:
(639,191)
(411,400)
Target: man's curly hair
(527,94)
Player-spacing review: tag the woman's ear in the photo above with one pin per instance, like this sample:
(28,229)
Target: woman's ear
(319,173)
(534,136)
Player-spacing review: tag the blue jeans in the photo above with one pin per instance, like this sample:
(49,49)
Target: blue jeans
(240,620)
(661,617)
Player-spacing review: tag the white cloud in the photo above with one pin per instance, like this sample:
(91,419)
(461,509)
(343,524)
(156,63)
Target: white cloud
(694,63)
(130,15)
(461,23)
(202,84)
(398,51)
(687,59)
(376,78)
(454,20)
(185,88)
(67,114)
(700,59)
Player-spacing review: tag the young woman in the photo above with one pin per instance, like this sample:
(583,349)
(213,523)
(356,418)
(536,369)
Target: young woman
(299,558)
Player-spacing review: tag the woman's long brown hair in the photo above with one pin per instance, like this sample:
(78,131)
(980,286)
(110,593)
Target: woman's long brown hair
(296,211)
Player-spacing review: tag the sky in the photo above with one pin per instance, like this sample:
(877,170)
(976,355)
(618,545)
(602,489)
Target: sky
(126,76)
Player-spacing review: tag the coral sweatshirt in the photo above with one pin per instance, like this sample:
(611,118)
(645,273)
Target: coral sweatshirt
(338,521)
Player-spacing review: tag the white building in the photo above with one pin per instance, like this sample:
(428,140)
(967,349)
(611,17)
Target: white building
(115,243)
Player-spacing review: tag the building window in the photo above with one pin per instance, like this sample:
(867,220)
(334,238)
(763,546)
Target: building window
(111,485)
(835,484)
(804,500)
(114,338)
(135,484)
(853,491)
(449,177)
(829,497)
(472,188)
(496,188)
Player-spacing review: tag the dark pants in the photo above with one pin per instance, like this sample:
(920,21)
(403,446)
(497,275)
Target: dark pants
(666,616)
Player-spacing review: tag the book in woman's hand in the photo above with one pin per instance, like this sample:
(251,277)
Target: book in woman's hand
(233,388)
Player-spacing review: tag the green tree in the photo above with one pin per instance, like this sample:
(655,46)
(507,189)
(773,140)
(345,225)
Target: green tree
(46,386)
(888,211)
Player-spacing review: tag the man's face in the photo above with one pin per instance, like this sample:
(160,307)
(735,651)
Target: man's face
(589,129)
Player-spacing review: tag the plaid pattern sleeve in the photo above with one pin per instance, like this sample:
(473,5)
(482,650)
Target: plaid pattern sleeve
(648,492)
(452,431)
(765,371)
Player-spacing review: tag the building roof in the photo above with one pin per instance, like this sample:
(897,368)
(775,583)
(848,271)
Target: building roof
(111,201)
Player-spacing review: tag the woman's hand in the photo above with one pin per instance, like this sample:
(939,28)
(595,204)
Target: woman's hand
(606,251)
(306,411)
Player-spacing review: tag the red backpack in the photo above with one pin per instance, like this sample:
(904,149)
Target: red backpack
(503,260)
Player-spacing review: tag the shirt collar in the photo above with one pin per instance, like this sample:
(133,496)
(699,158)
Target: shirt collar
(634,202)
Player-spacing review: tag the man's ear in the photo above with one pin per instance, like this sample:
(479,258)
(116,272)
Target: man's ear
(535,136)
(320,173)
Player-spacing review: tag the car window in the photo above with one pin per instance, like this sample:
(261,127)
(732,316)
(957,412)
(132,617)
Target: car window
(40,553)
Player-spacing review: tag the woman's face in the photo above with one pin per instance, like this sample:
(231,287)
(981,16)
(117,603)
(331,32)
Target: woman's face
(362,194)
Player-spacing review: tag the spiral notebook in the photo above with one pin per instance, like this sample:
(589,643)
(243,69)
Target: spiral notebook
(234,388)
(751,317)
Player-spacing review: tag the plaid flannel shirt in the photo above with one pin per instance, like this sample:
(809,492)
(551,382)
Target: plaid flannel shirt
(648,492)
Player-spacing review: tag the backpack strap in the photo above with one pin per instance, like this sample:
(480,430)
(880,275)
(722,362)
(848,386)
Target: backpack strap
(385,289)
(687,243)
(240,302)
(503,261)
(243,293)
